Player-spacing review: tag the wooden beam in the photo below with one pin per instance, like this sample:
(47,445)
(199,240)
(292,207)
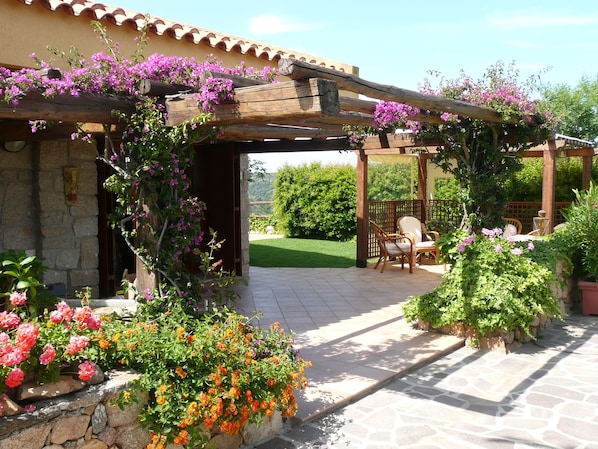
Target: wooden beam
(238,81)
(160,89)
(548,182)
(287,146)
(296,100)
(363,223)
(21,130)
(298,70)
(276,132)
(67,108)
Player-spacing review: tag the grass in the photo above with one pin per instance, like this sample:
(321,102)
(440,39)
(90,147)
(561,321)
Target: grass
(301,253)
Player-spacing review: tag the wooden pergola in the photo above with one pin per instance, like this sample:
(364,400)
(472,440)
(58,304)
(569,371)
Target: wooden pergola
(306,113)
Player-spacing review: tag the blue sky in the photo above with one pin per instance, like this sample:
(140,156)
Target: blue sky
(397,42)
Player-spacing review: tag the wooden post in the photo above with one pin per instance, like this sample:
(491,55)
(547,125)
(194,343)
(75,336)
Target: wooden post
(363,224)
(586,174)
(548,182)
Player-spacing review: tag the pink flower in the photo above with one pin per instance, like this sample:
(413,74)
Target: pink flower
(18,298)
(9,320)
(14,378)
(86,370)
(460,247)
(530,246)
(26,336)
(516,251)
(76,344)
(65,310)
(498,248)
(48,355)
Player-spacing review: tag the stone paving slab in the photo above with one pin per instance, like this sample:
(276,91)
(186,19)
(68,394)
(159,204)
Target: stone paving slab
(544,395)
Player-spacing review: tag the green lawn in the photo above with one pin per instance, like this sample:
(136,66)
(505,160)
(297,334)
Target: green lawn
(301,253)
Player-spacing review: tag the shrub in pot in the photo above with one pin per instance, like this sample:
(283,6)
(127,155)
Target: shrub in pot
(582,232)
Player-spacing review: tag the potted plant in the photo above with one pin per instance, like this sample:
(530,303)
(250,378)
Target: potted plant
(582,229)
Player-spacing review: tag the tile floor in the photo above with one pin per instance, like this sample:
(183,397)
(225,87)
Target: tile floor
(349,323)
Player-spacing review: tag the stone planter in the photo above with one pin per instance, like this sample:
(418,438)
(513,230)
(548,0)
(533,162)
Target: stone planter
(90,419)
(501,341)
(589,297)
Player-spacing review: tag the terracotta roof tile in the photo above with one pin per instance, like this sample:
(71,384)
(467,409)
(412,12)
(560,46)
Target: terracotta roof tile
(179,31)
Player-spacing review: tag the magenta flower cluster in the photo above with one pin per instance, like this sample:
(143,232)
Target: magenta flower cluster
(106,73)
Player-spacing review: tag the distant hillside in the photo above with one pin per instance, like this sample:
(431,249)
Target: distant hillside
(262,189)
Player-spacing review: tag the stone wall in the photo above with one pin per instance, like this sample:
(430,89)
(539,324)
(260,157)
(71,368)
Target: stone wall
(37,219)
(91,419)
(245,209)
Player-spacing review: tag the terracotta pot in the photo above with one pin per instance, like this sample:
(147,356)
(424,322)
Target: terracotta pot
(589,297)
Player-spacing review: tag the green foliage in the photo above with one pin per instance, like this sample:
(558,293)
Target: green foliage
(22,273)
(316,202)
(582,228)
(575,107)
(388,181)
(260,223)
(526,184)
(447,189)
(492,285)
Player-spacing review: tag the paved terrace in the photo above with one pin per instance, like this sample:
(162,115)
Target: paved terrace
(349,324)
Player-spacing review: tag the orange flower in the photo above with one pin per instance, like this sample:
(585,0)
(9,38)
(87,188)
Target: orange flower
(271,382)
(180,333)
(182,438)
(104,344)
(222,370)
(230,428)
(234,392)
(180,372)
(160,400)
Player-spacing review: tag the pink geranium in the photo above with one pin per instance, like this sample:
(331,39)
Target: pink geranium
(86,370)
(26,336)
(48,355)
(76,344)
(18,298)
(9,320)
(14,378)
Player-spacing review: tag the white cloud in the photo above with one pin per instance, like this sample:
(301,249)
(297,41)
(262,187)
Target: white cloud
(535,21)
(273,24)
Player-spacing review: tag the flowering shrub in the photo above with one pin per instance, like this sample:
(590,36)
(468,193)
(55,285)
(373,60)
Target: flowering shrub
(62,341)
(480,155)
(217,373)
(493,284)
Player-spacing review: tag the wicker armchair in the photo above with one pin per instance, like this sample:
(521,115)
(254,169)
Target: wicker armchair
(393,247)
(423,240)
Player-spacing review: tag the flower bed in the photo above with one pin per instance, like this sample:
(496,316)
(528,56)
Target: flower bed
(92,419)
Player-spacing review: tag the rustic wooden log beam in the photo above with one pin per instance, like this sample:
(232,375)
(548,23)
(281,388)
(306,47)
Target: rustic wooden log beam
(240,133)
(264,104)
(160,89)
(238,81)
(298,70)
(285,146)
(21,130)
(67,108)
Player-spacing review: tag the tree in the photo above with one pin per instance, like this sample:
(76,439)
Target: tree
(576,108)
(389,181)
